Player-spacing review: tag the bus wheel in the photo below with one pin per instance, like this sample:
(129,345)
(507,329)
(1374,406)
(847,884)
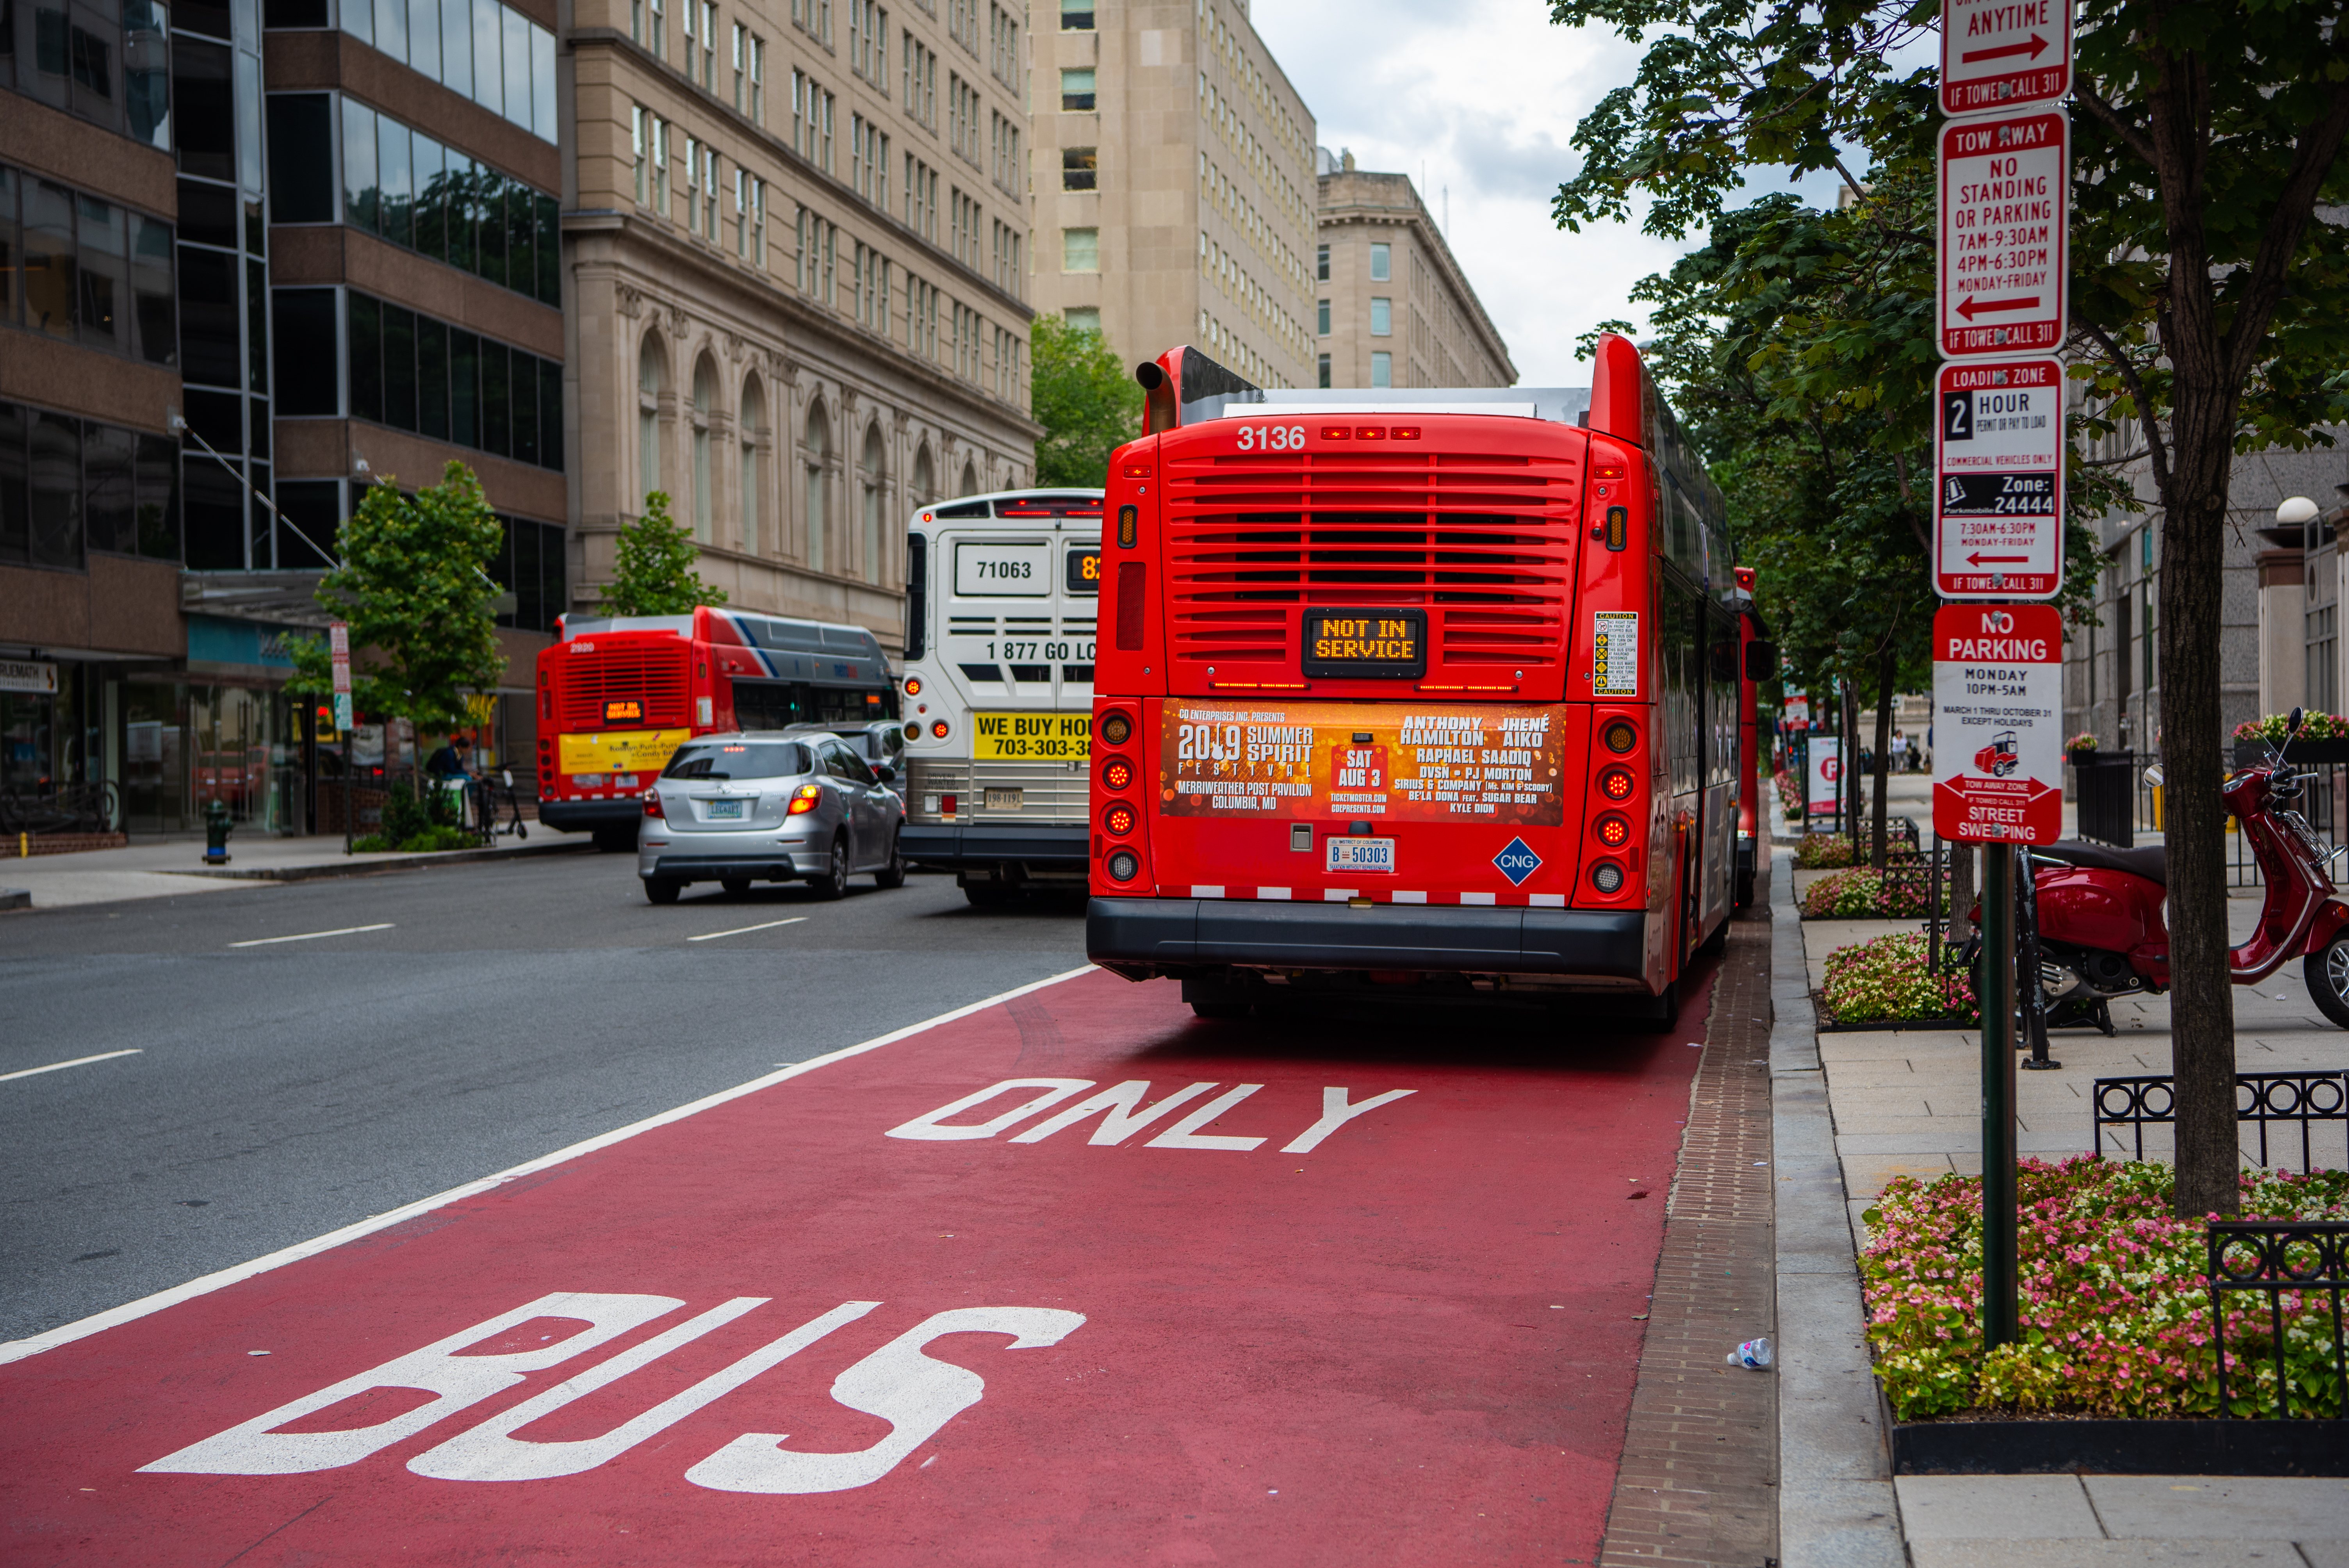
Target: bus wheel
(1659,1013)
(663,889)
(834,882)
(893,873)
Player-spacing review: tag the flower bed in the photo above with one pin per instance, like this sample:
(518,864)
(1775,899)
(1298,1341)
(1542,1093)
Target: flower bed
(2114,1316)
(1790,794)
(2315,725)
(1887,979)
(1816,851)
(1864,895)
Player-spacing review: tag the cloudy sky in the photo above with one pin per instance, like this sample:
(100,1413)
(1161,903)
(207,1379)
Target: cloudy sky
(1482,96)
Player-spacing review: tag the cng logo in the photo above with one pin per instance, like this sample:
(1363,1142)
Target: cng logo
(1517,862)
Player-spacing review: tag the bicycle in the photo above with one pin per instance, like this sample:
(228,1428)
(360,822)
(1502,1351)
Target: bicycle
(488,795)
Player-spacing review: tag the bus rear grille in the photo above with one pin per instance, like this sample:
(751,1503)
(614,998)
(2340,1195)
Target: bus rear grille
(1484,544)
(655,678)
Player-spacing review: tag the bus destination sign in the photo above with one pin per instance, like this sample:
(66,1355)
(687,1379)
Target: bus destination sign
(1998,710)
(2004,54)
(1502,763)
(2005,211)
(1998,467)
(1377,643)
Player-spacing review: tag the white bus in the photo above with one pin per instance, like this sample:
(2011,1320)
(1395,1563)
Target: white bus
(1001,593)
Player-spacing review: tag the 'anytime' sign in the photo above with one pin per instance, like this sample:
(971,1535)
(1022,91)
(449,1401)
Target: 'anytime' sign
(1998,699)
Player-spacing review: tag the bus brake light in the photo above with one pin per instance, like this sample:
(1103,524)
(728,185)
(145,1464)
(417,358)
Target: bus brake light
(1614,830)
(1617,783)
(913,686)
(938,730)
(1117,774)
(1118,818)
(804,799)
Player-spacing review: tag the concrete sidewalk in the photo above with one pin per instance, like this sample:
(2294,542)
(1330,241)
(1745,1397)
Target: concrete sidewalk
(1855,1109)
(175,866)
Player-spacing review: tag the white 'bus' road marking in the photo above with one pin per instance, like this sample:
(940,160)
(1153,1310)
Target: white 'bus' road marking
(746,929)
(77,1061)
(314,935)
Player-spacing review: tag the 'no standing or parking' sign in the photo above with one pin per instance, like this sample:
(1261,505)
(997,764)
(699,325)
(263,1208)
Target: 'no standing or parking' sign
(1998,706)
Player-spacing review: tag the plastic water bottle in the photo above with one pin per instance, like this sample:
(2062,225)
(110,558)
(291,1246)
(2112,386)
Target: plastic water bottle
(1754,1355)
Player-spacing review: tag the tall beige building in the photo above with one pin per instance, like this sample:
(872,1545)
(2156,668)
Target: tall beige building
(1174,183)
(797,242)
(1392,307)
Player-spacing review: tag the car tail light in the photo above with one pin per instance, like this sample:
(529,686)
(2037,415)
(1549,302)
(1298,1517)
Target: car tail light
(1118,818)
(1617,784)
(1117,773)
(1125,866)
(1621,735)
(1614,830)
(652,805)
(804,799)
(1607,877)
(1116,728)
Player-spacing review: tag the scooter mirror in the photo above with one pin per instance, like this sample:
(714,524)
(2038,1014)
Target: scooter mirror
(2292,724)
(2153,775)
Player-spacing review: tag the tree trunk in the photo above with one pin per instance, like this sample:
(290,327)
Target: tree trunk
(1885,672)
(1852,776)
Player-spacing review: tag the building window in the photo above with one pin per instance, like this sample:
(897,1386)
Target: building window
(742,63)
(1382,369)
(758,81)
(1382,317)
(1081,250)
(403,186)
(1076,15)
(1381,263)
(1083,318)
(416,373)
(1079,168)
(1076,91)
(1321,263)
(1324,371)
(1322,317)
(657,32)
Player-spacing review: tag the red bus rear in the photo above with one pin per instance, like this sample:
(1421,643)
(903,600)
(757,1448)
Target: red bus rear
(1428,690)
(619,694)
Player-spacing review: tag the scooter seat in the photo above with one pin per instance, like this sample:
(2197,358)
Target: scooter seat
(2151,862)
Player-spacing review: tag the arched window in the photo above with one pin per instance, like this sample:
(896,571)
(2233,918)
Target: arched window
(969,479)
(650,377)
(925,482)
(869,480)
(754,494)
(818,520)
(705,393)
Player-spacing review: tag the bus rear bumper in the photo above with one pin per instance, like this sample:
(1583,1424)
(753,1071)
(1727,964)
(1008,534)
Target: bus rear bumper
(954,846)
(585,816)
(1142,937)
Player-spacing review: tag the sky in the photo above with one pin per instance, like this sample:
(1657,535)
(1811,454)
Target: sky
(1482,95)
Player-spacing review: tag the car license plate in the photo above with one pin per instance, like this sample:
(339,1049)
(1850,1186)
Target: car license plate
(1351,855)
(1004,799)
(723,810)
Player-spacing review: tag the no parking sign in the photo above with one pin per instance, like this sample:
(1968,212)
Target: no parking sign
(1998,706)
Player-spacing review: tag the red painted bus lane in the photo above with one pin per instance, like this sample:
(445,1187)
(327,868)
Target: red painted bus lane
(1074,1279)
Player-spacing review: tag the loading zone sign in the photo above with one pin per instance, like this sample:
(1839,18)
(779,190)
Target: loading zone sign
(1998,707)
(1997,470)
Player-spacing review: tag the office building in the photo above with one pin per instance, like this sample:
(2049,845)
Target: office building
(1391,306)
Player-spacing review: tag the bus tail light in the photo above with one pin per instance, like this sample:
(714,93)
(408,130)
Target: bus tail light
(1614,830)
(1117,774)
(1617,784)
(1116,728)
(804,799)
(1125,866)
(938,730)
(1120,819)
(1620,736)
(913,686)
(1607,877)
(652,805)
(914,729)
(946,807)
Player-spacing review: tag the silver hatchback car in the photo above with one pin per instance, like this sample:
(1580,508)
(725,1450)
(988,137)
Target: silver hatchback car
(766,806)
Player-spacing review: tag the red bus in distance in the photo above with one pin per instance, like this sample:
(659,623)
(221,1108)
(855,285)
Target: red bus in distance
(619,694)
(1443,691)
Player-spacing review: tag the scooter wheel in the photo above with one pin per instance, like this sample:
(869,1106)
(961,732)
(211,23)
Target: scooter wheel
(2326,970)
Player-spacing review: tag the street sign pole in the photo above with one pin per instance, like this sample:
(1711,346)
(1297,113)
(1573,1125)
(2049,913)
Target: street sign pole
(338,647)
(1997,1002)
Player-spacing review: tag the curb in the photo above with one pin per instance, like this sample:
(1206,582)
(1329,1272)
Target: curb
(399,863)
(1837,1507)
(15,898)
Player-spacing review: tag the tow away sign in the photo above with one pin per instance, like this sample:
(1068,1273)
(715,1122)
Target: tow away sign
(1997,470)
(1998,705)
(2004,54)
(2005,209)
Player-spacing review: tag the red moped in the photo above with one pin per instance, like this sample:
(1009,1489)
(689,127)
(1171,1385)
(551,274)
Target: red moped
(2101,931)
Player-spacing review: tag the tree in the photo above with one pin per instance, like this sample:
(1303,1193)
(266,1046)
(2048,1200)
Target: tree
(653,572)
(2207,306)
(414,586)
(1087,400)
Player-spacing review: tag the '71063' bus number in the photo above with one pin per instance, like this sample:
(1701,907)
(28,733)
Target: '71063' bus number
(1271,438)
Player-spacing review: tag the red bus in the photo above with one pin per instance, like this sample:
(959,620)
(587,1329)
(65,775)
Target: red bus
(1426,692)
(617,695)
(1755,668)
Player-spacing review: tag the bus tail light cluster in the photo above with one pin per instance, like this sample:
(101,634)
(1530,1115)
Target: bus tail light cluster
(1120,817)
(1618,804)
(804,799)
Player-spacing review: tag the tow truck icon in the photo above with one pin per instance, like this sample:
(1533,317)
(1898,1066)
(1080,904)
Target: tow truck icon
(2000,758)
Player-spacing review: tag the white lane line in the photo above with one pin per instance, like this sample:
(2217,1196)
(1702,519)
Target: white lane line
(314,935)
(746,929)
(131,1311)
(77,1061)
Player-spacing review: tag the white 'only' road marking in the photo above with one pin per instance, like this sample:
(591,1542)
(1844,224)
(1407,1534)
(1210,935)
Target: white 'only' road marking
(746,929)
(314,935)
(77,1061)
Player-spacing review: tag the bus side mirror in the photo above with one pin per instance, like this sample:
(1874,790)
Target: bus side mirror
(1760,660)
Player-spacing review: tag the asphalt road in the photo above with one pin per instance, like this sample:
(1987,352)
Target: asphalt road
(503,1011)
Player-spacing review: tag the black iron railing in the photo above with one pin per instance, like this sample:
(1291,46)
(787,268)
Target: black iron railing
(65,808)
(2287,1261)
(2304,1098)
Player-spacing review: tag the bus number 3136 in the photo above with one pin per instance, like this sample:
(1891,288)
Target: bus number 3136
(1272,438)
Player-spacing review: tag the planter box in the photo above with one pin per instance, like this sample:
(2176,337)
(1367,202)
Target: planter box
(2303,753)
(2270,1448)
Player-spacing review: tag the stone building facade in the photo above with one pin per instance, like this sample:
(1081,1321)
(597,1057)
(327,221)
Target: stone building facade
(1173,184)
(797,242)
(1392,307)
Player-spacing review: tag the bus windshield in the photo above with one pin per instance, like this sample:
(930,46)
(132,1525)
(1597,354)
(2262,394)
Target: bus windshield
(738,759)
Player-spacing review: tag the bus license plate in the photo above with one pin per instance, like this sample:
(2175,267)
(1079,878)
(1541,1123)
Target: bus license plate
(1031,736)
(723,810)
(1004,799)
(1350,855)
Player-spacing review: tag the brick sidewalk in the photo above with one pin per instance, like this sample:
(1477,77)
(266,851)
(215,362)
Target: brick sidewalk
(1697,1482)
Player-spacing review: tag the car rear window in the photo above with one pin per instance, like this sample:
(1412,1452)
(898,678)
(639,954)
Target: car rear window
(738,760)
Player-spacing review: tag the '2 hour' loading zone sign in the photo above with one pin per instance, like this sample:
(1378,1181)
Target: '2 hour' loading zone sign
(2005,212)
(1997,471)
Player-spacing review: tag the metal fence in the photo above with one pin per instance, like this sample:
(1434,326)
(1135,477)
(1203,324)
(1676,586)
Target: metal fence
(2287,1261)
(2304,1100)
(66,808)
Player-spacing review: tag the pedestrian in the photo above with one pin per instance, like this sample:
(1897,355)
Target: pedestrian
(451,760)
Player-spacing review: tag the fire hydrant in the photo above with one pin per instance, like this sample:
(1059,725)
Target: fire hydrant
(216,826)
